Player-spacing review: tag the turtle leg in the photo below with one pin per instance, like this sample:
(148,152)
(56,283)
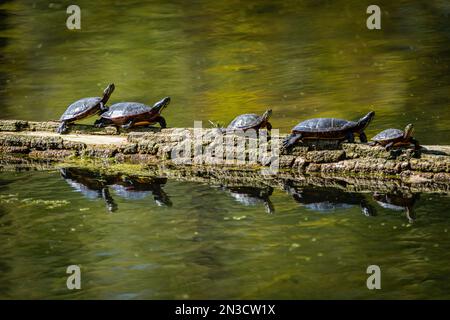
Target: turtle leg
(410,215)
(367,209)
(269,206)
(101,123)
(110,204)
(161,198)
(389,146)
(362,137)
(350,137)
(63,128)
(162,122)
(269,129)
(103,108)
(291,139)
(417,146)
(128,125)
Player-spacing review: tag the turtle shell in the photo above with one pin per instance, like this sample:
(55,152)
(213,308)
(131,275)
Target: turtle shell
(126,109)
(323,125)
(245,121)
(80,107)
(388,134)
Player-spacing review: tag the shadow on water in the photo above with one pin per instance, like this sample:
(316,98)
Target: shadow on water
(330,200)
(327,200)
(252,196)
(134,188)
(90,184)
(210,239)
(398,201)
(96,185)
(93,185)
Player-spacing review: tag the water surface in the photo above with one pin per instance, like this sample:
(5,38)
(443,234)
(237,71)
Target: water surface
(165,239)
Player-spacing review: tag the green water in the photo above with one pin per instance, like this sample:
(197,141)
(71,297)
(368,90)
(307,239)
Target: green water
(211,242)
(217,59)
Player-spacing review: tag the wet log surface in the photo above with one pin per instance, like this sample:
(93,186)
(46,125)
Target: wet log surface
(148,151)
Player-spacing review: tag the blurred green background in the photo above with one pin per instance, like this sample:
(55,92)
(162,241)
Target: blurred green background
(217,59)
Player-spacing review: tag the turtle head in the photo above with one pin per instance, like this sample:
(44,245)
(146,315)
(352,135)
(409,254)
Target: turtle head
(409,129)
(107,92)
(364,121)
(266,115)
(161,104)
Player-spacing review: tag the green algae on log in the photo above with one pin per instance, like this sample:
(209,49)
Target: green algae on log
(154,146)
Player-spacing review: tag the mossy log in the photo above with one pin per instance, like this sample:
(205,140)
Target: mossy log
(27,143)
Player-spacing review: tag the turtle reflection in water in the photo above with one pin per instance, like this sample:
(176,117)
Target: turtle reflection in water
(252,196)
(136,188)
(328,199)
(89,184)
(398,201)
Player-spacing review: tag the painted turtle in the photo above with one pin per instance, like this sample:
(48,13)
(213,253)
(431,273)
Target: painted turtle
(84,108)
(130,114)
(390,138)
(329,129)
(251,121)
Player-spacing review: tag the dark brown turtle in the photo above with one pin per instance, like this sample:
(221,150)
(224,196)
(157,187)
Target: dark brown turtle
(84,108)
(391,138)
(251,121)
(131,114)
(329,129)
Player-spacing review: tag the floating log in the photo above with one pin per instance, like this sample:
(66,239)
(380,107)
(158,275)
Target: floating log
(30,144)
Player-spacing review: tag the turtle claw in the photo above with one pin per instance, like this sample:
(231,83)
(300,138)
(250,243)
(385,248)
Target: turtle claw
(363,137)
(99,123)
(63,128)
(290,140)
(389,146)
(127,125)
(162,122)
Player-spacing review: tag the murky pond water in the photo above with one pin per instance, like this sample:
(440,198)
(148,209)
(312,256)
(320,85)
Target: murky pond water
(152,238)
(171,239)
